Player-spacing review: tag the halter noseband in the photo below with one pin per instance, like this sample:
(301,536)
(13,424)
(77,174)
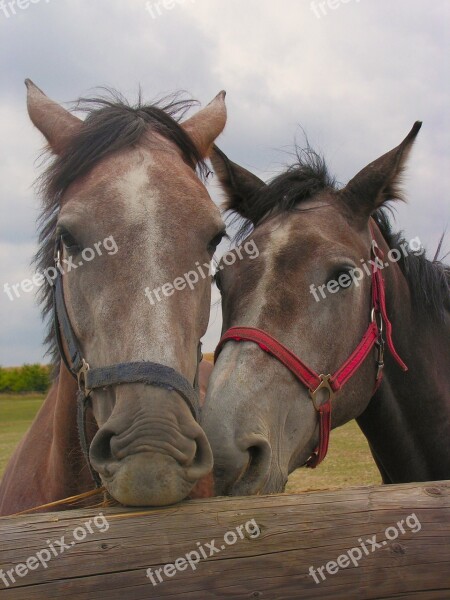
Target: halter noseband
(149,373)
(332,384)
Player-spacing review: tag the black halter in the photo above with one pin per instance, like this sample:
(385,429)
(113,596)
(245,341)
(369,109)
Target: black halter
(89,379)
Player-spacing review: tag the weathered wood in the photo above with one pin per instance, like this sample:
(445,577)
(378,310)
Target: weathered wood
(297,531)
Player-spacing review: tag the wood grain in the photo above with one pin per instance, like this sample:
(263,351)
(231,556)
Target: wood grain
(297,531)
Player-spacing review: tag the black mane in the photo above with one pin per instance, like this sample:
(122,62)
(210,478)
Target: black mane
(111,124)
(428,280)
(301,181)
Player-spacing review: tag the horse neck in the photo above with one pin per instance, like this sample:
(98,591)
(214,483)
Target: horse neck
(407,422)
(66,459)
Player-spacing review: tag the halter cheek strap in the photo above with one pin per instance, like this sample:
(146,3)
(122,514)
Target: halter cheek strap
(330,384)
(149,373)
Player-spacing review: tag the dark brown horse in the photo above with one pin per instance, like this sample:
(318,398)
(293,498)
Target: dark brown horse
(312,290)
(123,185)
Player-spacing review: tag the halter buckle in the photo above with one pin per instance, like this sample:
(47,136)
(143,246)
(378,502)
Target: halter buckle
(81,378)
(380,359)
(325,383)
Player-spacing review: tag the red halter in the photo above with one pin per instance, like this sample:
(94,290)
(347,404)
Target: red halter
(331,383)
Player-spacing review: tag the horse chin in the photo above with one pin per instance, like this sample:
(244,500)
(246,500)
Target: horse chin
(148,479)
(274,483)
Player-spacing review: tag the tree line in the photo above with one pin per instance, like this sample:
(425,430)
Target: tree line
(28,378)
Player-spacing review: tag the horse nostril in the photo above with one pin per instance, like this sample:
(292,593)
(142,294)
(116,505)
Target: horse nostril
(259,458)
(202,462)
(255,454)
(100,451)
(242,468)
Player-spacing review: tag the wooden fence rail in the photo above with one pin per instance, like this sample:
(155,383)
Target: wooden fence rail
(264,548)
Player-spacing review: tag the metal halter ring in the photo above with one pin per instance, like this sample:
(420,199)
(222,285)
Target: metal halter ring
(324,384)
(378,321)
(81,378)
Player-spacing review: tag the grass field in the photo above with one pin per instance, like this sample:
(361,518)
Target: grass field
(348,462)
(16,414)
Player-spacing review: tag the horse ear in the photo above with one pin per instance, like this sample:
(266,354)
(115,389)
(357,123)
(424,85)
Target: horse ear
(381,180)
(56,123)
(206,125)
(240,186)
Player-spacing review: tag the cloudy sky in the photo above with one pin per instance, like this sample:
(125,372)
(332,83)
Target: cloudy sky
(355,77)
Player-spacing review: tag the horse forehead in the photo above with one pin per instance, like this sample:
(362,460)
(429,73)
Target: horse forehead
(154,178)
(317,229)
(111,182)
(283,246)
(134,181)
(262,273)
(139,198)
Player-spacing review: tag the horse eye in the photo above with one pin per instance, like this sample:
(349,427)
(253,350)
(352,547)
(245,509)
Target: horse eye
(343,277)
(216,241)
(69,242)
(217,281)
